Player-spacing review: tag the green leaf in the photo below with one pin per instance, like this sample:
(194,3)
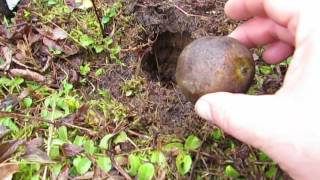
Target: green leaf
(86,41)
(99,72)
(85,69)
(266,70)
(54,152)
(217,134)
(67,87)
(27,102)
(231,172)
(173,147)
(78,140)
(159,158)
(27,171)
(146,171)
(82,164)
(89,147)
(58,142)
(104,163)
(192,143)
(56,169)
(108,41)
(104,143)
(35,177)
(183,163)
(134,164)
(115,51)
(105,19)
(121,138)
(272,172)
(98,48)
(263,157)
(52,2)
(63,133)
(1,61)
(52,115)
(9,124)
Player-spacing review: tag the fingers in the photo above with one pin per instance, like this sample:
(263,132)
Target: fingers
(260,31)
(239,115)
(283,12)
(277,52)
(244,9)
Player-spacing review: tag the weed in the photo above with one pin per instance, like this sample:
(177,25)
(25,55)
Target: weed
(85,69)
(133,86)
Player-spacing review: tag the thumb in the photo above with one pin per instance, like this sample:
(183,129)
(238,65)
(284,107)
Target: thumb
(242,116)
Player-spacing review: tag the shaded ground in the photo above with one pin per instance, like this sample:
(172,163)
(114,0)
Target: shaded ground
(127,87)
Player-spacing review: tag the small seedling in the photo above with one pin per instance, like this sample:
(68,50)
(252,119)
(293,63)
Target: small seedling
(183,163)
(231,172)
(85,69)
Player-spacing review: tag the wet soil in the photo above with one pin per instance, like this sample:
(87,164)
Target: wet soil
(170,26)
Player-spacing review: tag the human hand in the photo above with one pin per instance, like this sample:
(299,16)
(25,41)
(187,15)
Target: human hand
(285,125)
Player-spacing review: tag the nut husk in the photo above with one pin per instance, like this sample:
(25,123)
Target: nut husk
(214,64)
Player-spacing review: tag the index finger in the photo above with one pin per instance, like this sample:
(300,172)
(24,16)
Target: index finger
(283,12)
(244,9)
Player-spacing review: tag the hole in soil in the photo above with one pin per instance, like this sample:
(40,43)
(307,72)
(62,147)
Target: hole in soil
(160,63)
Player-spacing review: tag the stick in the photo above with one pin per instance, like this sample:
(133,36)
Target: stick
(99,20)
(120,169)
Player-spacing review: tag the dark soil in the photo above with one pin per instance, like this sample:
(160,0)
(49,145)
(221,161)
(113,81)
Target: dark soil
(171,25)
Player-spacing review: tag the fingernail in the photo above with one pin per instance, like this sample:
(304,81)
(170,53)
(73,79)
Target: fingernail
(235,34)
(204,110)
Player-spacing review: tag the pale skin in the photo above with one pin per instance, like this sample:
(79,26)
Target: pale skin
(285,125)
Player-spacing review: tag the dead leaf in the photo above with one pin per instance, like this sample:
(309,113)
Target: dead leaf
(13,101)
(76,118)
(53,34)
(7,55)
(70,50)
(16,32)
(51,44)
(24,94)
(9,101)
(88,175)
(67,50)
(36,143)
(70,150)
(7,171)
(74,78)
(23,53)
(33,38)
(3,131)
(58,34)
(34,154)
(8,148)
(27,74)
(116,178)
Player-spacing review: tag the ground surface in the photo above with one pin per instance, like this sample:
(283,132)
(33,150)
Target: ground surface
(77,102)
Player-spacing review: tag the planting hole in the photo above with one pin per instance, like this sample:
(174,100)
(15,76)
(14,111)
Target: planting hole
(160,63)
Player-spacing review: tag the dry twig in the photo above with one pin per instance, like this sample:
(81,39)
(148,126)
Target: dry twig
(120,169)
(27,74)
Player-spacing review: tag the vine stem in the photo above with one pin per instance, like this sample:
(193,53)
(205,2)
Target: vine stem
(98,18)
